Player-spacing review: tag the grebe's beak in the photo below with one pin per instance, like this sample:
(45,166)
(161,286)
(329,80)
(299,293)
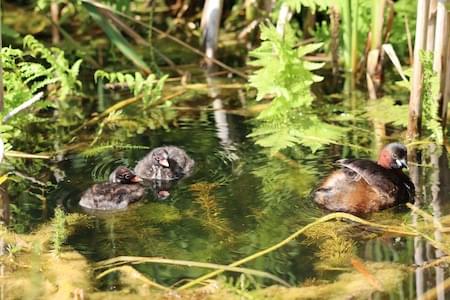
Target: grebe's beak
(164,163)
(401,163)
(163,194)
(136,179)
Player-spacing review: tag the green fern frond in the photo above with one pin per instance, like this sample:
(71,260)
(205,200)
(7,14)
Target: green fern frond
(284,75)
(59,66)
(296,5)
(150,88)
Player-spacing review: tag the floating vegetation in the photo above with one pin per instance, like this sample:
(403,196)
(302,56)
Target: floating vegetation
(349,284)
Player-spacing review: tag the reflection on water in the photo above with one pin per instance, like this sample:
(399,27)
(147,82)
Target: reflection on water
(238,201)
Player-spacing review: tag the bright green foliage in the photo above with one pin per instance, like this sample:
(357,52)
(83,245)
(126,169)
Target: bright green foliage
(430,104)
(19,77)
(387,111)
(59,71)
(289,119)
(30,71)
(59,233)
(23,78)
(312,4)
(150,88)
(404,10)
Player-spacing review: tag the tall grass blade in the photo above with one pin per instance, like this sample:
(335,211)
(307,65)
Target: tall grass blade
(116,37)
(389,50)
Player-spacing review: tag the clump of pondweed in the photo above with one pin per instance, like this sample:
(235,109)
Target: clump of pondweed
(212,219)
(59,231)
(336,247)
(76,221)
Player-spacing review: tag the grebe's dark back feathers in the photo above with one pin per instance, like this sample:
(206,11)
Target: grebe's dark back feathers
(362,185)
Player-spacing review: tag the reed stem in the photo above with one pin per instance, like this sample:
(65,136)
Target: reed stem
(415,100)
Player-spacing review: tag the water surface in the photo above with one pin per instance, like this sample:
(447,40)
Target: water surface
(238,201)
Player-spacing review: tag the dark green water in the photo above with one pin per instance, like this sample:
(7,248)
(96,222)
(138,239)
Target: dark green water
(252,201)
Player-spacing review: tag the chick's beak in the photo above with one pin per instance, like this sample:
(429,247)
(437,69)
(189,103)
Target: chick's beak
(401,163)
(164,163)
(136,179)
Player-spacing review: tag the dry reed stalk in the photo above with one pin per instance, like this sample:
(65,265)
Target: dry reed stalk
(434,292)
(54,11)
(446,95)
(440,38)
(374,68)
(1,65)
(440,59)
(415,103)
(354,43)
(431,25)
(210,24)
(408,35)
(283,18)
(334,48)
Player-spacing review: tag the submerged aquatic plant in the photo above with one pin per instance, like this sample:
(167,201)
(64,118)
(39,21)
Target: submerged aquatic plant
(336,247)
(59,231)
(213,219)
(286,76)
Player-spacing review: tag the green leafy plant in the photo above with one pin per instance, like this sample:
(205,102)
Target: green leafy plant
(430,102)
(287,77)
(312,4)
(150,87)
(36,67)
(60,70)
(59,232)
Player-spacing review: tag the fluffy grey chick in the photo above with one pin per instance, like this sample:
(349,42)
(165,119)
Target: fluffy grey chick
(165,163)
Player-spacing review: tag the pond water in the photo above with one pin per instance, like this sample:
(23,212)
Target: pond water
(238,201)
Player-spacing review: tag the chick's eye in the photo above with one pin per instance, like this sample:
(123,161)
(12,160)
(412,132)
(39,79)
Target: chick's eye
(127,176)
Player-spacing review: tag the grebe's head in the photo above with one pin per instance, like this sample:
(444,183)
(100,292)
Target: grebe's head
(124,175)
(393,156)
